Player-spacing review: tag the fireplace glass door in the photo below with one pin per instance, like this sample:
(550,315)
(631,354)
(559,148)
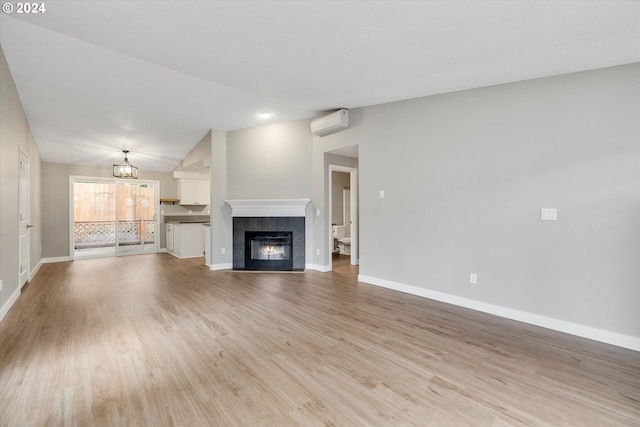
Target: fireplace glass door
(268,250)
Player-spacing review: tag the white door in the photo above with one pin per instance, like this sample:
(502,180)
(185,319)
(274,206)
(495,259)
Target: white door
(353,215)
(113,217)
(24,226)
(136,226)
(346,208)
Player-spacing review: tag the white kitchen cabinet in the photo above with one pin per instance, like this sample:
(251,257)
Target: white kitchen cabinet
(193,192)
(169,235)
(188,240)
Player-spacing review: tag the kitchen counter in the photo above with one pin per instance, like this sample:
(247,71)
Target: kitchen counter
(186,219)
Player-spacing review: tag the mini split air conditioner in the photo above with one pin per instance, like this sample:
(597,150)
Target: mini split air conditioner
(330,123)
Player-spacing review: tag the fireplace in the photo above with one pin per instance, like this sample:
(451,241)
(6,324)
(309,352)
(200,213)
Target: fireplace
(268,243)
(268,250)
(269,234)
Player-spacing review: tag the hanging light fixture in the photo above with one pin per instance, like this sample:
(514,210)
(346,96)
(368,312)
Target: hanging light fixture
(125,169)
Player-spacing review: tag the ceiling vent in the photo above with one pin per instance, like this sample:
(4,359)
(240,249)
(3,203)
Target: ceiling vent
(330,123)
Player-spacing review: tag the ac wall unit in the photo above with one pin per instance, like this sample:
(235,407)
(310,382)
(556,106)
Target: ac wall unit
(330,123)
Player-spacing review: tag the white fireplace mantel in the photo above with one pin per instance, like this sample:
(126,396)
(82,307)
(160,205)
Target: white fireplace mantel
(268,207)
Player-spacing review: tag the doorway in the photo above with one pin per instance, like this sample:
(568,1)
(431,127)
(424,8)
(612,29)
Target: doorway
(112,217)
(346,221)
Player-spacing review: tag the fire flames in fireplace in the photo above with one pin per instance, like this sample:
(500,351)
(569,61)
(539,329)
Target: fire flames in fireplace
(262,250)
(269,250)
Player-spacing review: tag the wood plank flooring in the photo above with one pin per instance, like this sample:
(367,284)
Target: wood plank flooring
(153,340)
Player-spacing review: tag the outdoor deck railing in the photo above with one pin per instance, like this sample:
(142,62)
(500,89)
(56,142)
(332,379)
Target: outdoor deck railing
(96,234)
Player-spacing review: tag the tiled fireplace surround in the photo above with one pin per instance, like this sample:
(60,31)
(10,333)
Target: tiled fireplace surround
(269,215)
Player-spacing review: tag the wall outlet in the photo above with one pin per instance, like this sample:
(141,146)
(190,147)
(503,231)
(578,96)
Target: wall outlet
(473,278)
(223,251)
(0,284)
(317,251)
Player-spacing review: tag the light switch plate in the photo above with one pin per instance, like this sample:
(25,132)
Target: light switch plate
(382,194)
(548,214)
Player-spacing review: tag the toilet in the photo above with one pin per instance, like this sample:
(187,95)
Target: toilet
(338,233)
(341,242)
(344,246)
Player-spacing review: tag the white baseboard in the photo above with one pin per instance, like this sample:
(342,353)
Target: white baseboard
(7,306)
(318,267)
(56,259)
(225,266)
(184,257)
(608,337)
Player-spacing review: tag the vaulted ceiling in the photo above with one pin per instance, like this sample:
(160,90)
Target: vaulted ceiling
(96,77)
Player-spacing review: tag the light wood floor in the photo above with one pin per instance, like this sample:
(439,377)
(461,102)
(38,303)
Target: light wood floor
(158,341)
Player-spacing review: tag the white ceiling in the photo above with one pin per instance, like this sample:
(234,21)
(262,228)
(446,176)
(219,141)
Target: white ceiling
(96,77)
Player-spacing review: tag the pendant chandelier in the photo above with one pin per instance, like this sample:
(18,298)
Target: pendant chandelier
(125,169)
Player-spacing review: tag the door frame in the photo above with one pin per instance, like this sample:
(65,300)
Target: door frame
(115,181)
(24,222)
(353,184)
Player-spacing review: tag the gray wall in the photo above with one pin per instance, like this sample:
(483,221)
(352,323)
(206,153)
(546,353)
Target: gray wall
(15,134)
(200,156)
(465,175)
(55,199)
(221,223)
(270,162)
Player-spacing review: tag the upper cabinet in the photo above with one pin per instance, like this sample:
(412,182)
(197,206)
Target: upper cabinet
(193,191)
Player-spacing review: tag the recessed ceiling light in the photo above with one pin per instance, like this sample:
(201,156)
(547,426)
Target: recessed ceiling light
(265,114)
